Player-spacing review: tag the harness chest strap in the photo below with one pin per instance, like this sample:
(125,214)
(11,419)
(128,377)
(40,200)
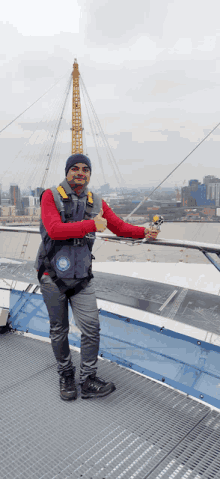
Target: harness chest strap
(62,193)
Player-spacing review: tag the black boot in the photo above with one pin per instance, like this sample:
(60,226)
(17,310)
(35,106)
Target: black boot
(95,387)
(68,389)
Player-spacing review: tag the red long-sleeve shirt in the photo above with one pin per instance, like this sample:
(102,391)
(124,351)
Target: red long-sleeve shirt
(57,230)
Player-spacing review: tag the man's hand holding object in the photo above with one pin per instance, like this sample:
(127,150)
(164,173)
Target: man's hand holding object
(151,233)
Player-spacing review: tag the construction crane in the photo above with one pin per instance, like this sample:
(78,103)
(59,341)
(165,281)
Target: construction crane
(77,142)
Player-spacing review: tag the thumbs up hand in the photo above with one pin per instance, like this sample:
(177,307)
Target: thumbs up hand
(100,223)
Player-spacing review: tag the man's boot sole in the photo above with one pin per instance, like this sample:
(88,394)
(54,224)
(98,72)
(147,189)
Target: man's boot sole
(97,395)
(69,398)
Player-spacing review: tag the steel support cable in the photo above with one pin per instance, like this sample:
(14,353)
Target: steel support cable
(32,104)
(97,149)
(147,197)
(101,132)
(53,173)
(83,126)
(102,136)
(84,135)
(55,155)
(113,158)
(42,151)
(50,134)
(31,170)
(27,237)
(58,127)
(97,126)
(27,155)
(48,156)
(33,166)
(57,159)
(32,174)
(109,151)
(94,137)
(84,92)
(16,158)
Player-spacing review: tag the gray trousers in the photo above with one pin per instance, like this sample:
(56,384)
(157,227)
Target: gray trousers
(86,317)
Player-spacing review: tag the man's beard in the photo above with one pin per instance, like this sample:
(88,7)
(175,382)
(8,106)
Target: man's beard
(75,185)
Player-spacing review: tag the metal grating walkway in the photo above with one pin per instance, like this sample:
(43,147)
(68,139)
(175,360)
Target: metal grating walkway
(142,430)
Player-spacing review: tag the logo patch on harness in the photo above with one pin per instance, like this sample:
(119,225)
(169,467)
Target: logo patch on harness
(63,263)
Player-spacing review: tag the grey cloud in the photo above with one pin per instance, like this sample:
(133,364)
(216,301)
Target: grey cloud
(115,21)
(173,83)
(46,126)
(32,70)
(34,65)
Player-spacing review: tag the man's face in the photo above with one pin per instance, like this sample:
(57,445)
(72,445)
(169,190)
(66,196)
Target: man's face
(78,175)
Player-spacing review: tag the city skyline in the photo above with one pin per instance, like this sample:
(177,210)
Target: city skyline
(210,177)
(208,189)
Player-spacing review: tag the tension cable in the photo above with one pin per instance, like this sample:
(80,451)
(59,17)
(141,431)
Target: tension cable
(146,197)
(32,104)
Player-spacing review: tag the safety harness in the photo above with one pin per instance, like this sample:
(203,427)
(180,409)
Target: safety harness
(64,205)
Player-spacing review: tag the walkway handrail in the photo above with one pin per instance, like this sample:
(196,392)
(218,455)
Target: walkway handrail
(205,248)
(209,248)
(20,229)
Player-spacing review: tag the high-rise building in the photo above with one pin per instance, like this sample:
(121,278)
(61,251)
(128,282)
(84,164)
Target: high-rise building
(105,189)
(27,201)
(212,188)
(0,194)
(187,199)
(195,194)
(38,191)
(208,179)
(15,196)
(213,192)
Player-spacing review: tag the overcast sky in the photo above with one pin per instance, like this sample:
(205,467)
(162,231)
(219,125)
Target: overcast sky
(151,68)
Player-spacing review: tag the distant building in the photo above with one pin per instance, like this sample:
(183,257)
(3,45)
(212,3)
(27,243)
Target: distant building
(105,189)
(15,196)
(210,179)
(8,210)
(195,194)
(187,199)
(207,179)
(5,201)
(213,192)
(38,191)
(0,194)
(28,201)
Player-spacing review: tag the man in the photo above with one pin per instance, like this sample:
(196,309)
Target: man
(68,214)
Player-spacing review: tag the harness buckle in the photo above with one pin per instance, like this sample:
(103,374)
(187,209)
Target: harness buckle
(78,241)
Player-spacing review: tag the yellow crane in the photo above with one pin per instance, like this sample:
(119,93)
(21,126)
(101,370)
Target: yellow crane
(77,141)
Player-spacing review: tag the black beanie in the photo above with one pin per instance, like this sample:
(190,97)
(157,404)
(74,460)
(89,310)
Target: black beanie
(77,158)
